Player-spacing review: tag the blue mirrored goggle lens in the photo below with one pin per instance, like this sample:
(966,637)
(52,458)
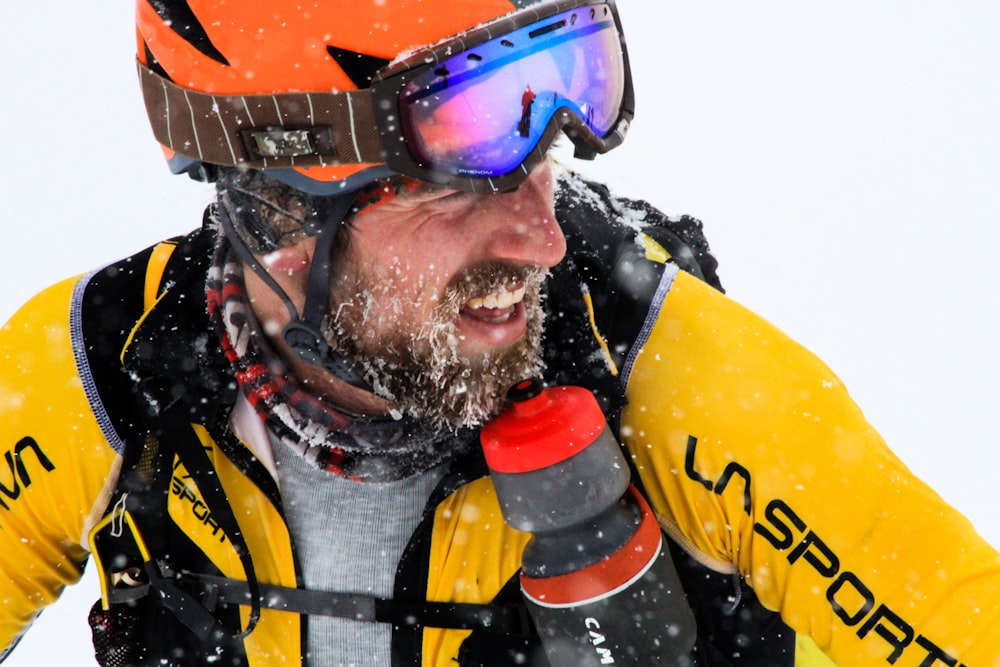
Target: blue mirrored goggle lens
(481,112)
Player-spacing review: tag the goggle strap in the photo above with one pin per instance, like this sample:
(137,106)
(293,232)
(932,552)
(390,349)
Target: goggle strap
(281,130)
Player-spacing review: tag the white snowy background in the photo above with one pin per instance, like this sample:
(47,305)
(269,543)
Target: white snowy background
(845,158)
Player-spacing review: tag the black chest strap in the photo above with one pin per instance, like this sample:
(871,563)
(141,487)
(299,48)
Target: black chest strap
(175,435)
(211,591)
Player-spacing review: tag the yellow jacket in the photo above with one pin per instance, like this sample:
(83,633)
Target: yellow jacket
(755,459)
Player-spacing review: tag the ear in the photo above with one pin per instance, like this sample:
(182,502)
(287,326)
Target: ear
(290,260)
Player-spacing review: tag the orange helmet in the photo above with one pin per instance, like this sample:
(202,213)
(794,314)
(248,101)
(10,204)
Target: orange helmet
(328,95)
(238,47)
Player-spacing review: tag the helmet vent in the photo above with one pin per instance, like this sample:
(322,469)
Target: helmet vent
(359,67)
(153,63)
(178,15)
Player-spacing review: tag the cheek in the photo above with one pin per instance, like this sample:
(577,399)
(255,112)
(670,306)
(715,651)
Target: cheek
(402,270)
(417,269)
(405,295)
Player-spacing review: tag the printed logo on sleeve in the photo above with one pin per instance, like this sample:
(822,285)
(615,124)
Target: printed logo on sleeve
(23,461)
(853,602)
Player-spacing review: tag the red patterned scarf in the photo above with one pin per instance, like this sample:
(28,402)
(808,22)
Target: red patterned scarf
(369,449)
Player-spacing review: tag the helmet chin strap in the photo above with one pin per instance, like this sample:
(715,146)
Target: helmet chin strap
(302,333)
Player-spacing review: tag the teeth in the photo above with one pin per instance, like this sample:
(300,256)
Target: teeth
(499,299)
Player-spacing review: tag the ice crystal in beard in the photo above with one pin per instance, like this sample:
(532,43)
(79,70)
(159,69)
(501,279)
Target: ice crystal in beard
(419,367)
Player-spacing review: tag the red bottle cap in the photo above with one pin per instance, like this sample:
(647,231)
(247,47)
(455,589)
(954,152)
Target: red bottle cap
(542,427)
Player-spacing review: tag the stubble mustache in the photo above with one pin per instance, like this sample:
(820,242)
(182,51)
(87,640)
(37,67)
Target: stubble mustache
(485,279)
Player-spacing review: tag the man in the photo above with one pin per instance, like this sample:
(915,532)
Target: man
(527,99)
(311,424)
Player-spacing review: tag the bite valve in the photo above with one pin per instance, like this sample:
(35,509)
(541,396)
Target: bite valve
(598,581)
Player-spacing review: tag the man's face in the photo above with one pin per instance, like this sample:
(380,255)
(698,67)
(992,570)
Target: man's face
(437,296)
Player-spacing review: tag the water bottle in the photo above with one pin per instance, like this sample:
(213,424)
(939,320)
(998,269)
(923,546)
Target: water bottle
(596,576)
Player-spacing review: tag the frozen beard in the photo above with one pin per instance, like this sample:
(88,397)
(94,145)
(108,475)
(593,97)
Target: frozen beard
(418,365)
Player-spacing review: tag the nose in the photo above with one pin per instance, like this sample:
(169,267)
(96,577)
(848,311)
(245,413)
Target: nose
(525,228)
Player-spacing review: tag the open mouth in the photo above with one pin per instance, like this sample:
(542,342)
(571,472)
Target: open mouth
(495,307)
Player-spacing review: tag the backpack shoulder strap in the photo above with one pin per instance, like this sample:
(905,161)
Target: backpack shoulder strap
(619,251)
(156,267)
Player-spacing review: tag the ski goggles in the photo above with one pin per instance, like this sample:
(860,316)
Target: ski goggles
(486,107)
(476,112)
